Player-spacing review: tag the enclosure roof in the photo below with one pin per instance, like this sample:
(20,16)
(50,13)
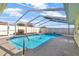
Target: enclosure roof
(14,12)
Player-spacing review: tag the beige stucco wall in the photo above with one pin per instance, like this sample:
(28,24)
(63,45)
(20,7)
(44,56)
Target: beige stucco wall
(61,30)
(58,30)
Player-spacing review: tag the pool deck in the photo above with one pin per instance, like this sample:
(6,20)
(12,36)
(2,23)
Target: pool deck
(61,46)
(6,48)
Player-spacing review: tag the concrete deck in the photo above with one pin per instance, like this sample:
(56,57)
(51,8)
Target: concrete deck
(63,46)
(6,48)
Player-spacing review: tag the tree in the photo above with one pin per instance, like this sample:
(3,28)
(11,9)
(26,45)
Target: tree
(20,24)
(29,24)
(43,29)
(20,31)
(2,7)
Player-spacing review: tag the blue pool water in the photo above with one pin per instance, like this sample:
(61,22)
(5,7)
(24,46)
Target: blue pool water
(34,42)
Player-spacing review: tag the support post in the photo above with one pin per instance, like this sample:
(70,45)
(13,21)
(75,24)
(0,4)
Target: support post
(8,29)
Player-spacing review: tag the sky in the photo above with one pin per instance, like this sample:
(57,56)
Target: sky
(15,10)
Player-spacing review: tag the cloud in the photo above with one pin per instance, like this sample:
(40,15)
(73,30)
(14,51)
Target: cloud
(21,4)
(13,11)
(1,17)
(35,5)
(53,13)
(39,5)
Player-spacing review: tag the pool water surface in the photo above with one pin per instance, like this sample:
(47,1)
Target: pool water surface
(33,42)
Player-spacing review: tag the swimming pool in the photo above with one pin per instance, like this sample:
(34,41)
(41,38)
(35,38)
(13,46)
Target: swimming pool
(33,42)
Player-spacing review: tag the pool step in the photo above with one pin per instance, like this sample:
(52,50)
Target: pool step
(15,51)
(10,49)
(7,49)
(7,46)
